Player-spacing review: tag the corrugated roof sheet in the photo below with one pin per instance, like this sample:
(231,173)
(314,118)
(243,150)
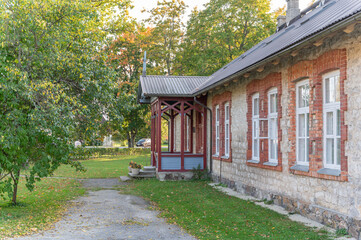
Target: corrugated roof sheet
(300,29)
(315,21)
(170,85)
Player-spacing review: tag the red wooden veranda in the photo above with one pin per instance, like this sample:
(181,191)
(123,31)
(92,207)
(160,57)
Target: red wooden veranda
(187,150)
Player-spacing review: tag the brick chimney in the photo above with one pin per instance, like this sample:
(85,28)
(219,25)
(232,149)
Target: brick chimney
(293,9)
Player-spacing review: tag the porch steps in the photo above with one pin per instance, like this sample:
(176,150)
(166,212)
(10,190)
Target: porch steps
(148,172)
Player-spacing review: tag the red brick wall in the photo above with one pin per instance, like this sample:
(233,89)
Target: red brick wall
(262,86)
(221,100)
(313,70)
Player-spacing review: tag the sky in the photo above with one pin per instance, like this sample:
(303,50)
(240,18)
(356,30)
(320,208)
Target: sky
(149,4)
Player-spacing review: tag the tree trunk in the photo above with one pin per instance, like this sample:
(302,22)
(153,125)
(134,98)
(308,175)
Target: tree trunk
(15,189)
(129,140)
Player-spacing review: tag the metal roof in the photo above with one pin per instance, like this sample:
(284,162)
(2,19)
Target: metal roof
(315,21)
(302,28)
(170,85)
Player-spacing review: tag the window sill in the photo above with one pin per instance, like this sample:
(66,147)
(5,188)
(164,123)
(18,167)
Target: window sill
(329,171)
(225,157)
(253,161)
(272,164)
(302,168)
(215,156)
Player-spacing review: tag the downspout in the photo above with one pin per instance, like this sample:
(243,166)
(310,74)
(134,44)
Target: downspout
(211,130)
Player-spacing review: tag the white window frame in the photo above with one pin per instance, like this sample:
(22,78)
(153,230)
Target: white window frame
(302,111)
(226,130)
(272,116)
(334,108)
(217,130)
(255,132)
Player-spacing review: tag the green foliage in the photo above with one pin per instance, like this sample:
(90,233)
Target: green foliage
(341,232)
(167,35)
(54,84)
(223,31)
(125,57)
(199,173)
(207,213)
(86,153)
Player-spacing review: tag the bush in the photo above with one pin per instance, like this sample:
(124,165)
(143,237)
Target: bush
(86,153)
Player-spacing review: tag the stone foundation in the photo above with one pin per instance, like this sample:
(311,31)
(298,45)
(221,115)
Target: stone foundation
(174,176)
(317,213)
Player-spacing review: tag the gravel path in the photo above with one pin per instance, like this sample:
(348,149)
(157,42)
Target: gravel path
(106,214)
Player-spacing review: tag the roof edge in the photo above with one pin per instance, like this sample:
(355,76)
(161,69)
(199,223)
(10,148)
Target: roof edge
(332,28)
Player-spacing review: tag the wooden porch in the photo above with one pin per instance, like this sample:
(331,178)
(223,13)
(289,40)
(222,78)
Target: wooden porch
(187,134)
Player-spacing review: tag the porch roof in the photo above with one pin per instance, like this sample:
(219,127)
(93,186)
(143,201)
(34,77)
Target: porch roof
(170,85)
(313,22)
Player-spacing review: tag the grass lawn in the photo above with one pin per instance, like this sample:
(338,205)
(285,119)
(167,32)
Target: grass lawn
(209,214)
(103,167)
(37,210)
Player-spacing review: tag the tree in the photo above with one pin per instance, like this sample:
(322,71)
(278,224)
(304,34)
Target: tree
(53,82)
(125,56)
(167,34)
(223,31)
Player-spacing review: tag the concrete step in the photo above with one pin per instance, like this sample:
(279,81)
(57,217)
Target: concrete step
(146,172)
(142,175)
(149,169)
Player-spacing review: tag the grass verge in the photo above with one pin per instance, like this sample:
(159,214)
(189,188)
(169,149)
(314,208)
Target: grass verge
(39,209)
(103,167)
(210,214)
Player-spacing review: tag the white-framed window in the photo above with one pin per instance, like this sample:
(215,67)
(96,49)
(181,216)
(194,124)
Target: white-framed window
(226,130)
(255,127)
(331,120)
(302,122)
(272,126)
(217,130)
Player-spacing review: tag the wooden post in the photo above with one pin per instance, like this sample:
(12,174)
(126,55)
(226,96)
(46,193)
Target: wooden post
(191,133)
(204,138)
(182,135)
(159,133)
(152,137)
(172,131)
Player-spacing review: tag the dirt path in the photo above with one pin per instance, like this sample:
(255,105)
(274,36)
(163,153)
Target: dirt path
(106,214)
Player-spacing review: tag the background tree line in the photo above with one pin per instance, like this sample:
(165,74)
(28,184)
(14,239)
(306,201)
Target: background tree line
(69,70)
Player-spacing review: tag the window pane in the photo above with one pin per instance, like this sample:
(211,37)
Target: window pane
(338,123)
(273,149)
(338,155)
(329,123)
(217,114)
(330,151)
(303,96)
(273,103)
(301,150)
(301,125)
(227,112)
(327,90)
(337,88)
(307,124)
(273,128)
(256,106)
(227,131)
(307,150)
(255,129)
(255,147)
